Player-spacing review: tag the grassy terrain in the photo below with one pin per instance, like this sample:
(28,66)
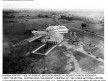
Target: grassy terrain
(15,25)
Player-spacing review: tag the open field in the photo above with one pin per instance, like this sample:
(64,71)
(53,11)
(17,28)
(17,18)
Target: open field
(62,60)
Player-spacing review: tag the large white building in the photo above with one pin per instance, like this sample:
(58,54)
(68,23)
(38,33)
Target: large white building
(54,34)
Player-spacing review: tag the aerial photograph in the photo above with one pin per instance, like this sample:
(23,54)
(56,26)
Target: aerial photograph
(40,41)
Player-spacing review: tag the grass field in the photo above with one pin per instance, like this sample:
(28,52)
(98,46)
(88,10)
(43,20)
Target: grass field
(15,24)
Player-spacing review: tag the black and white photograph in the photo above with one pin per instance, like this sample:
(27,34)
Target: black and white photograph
(53,41)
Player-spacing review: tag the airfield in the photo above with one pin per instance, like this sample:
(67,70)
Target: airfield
(84,57)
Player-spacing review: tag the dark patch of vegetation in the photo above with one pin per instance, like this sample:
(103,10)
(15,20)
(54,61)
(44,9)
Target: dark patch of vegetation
(56,62)
(29,32)
(70,18)
(16,61)
(13,65)
(43,16)
(78,55)
(83,25)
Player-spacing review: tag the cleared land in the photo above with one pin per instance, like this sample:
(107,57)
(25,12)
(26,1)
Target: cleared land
(64,59)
